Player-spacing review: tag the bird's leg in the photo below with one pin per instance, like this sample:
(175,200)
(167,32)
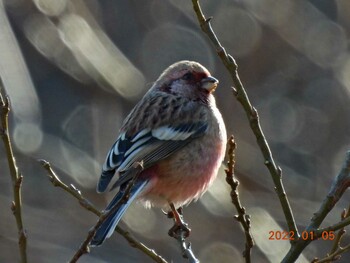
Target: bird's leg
(179,224)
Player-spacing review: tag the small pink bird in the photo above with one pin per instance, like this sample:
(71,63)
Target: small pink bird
(178,133)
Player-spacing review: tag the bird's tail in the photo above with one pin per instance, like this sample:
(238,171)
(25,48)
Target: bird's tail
(108,226)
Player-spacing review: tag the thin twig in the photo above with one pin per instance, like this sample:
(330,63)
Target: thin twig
(334,256)
(340,183)
(242,217)
(252,114)
(336,250)
(345,214)
(334,227)
(84,247)
(16,176)
(72,190)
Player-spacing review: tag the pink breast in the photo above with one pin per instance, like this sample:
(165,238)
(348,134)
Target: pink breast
(183,177)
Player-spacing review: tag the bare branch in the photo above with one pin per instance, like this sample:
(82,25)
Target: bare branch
(180,232)
(340,183)
(336,250)
(252,114)
(334,256)
(89,206)
(334,227)
(84,247)
(336,244)
(16,177)
(242,217)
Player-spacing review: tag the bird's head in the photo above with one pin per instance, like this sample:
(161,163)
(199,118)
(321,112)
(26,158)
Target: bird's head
(188,79)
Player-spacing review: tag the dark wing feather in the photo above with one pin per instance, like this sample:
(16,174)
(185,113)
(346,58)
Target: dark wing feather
(148,146)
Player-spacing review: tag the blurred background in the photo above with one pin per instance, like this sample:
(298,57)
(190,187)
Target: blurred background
(74,69)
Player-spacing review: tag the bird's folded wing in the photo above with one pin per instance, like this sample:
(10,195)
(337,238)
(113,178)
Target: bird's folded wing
(148,146)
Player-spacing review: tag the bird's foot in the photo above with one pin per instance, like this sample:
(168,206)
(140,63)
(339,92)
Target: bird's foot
(179,229)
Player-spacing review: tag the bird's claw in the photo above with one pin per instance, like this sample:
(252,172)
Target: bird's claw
(179,229)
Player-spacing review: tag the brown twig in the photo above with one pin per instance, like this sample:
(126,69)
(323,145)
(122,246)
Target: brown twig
(252,114)
(337,249)
(84,247)
(242,217)
(334,256)
(340,183)
(336,244)
(16,176)
(334,227)
(72,190)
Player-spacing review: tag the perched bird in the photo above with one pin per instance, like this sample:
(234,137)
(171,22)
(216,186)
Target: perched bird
(178,134)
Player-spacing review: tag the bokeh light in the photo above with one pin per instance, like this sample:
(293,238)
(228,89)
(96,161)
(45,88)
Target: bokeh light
(75,162)
(280,14)
(169,43)
(51,7)
(15,75)
(262,224)
(77,126)
(313,122)
(27,137)
(147,226)
(96,53)
(303,26)
(282,122)
(219,252)
(245,29)
(43,34)
(217,199)
(344,73)
(333,39)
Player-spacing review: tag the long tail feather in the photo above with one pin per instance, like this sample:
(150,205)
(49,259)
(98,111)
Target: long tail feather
(108,226)
(105,178)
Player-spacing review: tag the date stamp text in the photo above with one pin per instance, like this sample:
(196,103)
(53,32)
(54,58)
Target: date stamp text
(305,235)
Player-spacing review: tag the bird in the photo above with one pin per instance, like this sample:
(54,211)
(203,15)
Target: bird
(178,134)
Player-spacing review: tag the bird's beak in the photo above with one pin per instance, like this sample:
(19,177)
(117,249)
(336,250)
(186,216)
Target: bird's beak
(209,83)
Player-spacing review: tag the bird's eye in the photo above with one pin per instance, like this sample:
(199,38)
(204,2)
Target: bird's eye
(187,76)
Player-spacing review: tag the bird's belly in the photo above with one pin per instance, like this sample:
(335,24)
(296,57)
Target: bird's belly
(185,176)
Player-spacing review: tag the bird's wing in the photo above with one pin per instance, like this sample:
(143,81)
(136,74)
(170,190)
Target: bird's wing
(149,146)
